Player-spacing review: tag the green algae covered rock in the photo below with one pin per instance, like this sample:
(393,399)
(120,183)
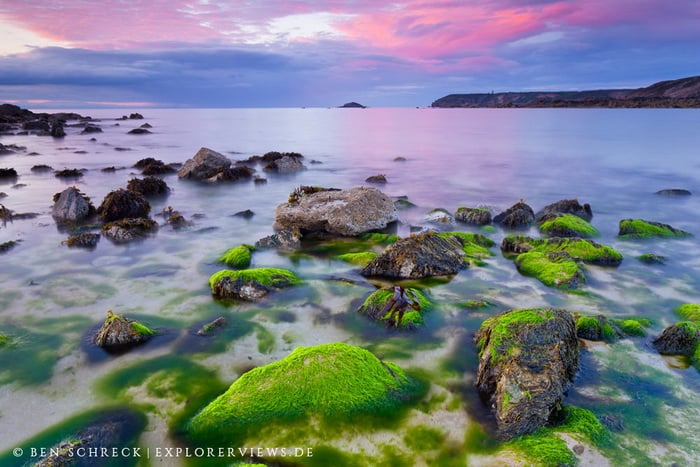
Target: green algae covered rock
(4,340)
(639,228)
(397,306)
(237,257)
(331,382)
(554,269)
(651,258)
(475,246)
(250,284)
(567,225)
(682,338)
(527,359)
(600,328)
(689,311)
(360,259)
(119,332)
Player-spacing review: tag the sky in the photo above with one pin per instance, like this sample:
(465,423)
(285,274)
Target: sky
(309,53)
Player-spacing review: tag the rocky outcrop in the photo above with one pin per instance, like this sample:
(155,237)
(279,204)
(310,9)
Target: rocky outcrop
(417,256)
(518,216)
(119,332)
(122,204)
(71,206)
(337,212)
(474,216)
(527,360)
(204,165)
(566,206)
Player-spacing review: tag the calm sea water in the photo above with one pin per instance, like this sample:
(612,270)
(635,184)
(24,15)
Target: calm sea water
(613,159)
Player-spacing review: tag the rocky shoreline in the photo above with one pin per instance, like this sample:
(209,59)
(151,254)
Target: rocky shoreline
(527,358)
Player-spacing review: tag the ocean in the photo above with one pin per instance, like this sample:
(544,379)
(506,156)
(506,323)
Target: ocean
(52,296)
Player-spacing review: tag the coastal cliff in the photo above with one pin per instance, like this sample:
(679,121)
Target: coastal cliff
(679,93)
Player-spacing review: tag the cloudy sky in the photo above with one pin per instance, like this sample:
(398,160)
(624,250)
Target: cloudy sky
(281,53)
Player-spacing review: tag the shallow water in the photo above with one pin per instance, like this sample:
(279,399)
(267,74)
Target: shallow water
(51,296)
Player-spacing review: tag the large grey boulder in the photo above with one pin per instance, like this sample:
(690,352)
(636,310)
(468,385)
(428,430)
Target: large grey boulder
(417,256)
(527,360)
(71,206)
(204,165)
(338,212)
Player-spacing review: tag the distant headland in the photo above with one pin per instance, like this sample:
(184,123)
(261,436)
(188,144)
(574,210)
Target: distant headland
(679,93)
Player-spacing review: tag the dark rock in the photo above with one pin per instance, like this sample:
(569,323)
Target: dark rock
(84,240)
(3,195)
(597,328)
(286,240)
(8,174)
(127,230)
(121,204)
(673,192)
(566,206)
(90,128)
(146,125)
(151,166)
(119,332)
(204,165)
(417,256)
(400,159)
(37,125)
(57,130)
(69,173)
(135,116)
(139,131)
(7,246)
(233,174)
(259,180)
(651,258)
(381,179)
(337,212)
(527,360)
(289,162)
(41,168)
(247,214)
(352,105)
(678,339)
(518,216)
(474,216)
(72,206)
(149,186)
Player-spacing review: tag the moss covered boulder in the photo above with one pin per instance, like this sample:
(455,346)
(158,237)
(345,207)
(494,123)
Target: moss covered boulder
(474,216)
(475,246)
(250,284)
(597,328)
(552,268)
(331,382)
(118,333)
(527,360)
(689,311)
(418,256)
(679,339)
(237,257)
(567,225)
(396,306)
(639,228)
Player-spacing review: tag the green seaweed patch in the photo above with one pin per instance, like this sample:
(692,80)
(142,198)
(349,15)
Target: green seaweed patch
(238,257)
(597,328)
(424,438)
(269,277)
(639,228)
(475,246)
(651,258)
(568,225)
(475,304)
(4,340)
(335,382)
(634,327)
(581,249)
(503,328)
(266,340)
(27,358)
(115,427)
(553,269)
(689,311)
(360,259)
(141,329)
(379,238)
(398,306)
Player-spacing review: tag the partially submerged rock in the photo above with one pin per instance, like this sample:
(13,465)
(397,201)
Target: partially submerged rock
(337,212)
(639,228)
(552,268)
(689,312)
(250,284)
(283,162)
(72,206)
(149,186)
(527,360)
(518,216)
(127,230)
(84,240)
(69,173)
(597,328)
(211,326)
(418,256)
(397,306)
(674,192)
(7,246)
(121,204)
(237,257)
(119,332)
(379,178)
(151,166)
(204,165)
(566,225)
(330,382)
(474,216)
(682,338)
(566,206)
(285,240)
(233,174)
(651,258)
(440,216)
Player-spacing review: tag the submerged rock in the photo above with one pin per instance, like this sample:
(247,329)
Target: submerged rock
(121,204)
(337,212)
(518,216)
(71,206)
(639,228)
(566,206)
(233,174)
(127,230)
(83,240)
(328,383)
(674,192)
(597,328)
(527,360)
(380,178)
(474,216)
(208,328)
(204,165)
(151,166)
(119,332)
(250,284)
(396,306)
(149,186)
(679,339)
